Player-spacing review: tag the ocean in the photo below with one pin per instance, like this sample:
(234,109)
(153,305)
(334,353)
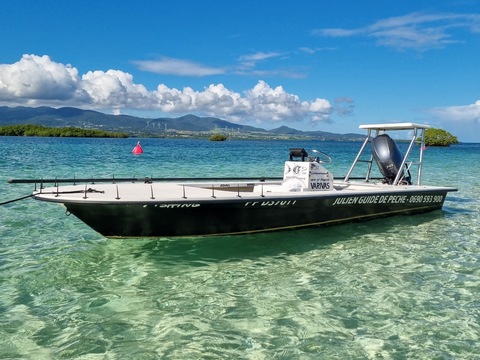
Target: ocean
(395,288)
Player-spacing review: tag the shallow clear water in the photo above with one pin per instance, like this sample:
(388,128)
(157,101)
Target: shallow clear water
(396,288)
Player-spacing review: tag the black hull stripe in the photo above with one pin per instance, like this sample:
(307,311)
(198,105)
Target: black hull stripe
(419,210)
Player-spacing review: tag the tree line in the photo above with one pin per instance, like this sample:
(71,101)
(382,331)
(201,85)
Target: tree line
(44,131)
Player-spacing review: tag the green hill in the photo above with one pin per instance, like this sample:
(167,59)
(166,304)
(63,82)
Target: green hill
(136,126)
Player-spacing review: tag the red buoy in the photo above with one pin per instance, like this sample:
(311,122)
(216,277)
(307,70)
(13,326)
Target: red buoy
(137,149)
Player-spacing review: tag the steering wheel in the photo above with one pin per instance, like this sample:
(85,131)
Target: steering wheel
(321,157)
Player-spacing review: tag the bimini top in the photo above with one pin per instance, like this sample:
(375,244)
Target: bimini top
(394,126)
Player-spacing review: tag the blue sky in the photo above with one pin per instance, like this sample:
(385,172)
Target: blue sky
(308,64)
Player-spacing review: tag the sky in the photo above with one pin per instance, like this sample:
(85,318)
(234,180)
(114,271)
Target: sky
(307,64)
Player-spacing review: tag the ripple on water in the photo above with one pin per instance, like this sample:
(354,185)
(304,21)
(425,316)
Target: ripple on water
(397,288)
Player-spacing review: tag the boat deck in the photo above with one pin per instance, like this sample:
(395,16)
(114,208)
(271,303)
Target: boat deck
(166,191)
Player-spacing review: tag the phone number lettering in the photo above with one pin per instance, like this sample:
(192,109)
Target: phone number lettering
(389,199)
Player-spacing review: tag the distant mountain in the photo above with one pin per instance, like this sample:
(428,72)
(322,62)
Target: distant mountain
(69,116)
(317,134)
(66,116)
(286,130)
(89,119)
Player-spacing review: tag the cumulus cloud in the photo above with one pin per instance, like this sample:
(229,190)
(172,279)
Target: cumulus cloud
(115,89)
(37,80)
(419,31)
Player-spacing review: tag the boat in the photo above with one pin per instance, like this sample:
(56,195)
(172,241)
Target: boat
(308,195)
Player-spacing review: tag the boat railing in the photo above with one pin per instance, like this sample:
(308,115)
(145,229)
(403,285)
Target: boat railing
(418,134)
(113,180)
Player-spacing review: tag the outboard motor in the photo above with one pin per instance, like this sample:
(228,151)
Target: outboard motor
(388,157)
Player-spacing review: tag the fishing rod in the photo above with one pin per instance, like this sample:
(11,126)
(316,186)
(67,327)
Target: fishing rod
(14,200)
(135,179)
(152,179)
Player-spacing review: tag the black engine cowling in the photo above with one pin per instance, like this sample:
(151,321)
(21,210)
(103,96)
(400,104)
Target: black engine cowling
(388,157)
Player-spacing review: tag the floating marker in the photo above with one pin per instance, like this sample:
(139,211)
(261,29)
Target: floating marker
(137,149)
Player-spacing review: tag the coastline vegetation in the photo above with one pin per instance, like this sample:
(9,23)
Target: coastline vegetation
(44,131)
(439,137)
(218,137)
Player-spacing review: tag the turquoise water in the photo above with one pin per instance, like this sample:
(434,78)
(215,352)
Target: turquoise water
(396,288)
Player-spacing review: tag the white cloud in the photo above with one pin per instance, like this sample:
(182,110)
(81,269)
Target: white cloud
(419,31)
(250,61)
(276,104)
(37,80)
(313,51)
(115,89)
(462,121)
(172,66)
(246,65)
(259,56)
(460,114)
